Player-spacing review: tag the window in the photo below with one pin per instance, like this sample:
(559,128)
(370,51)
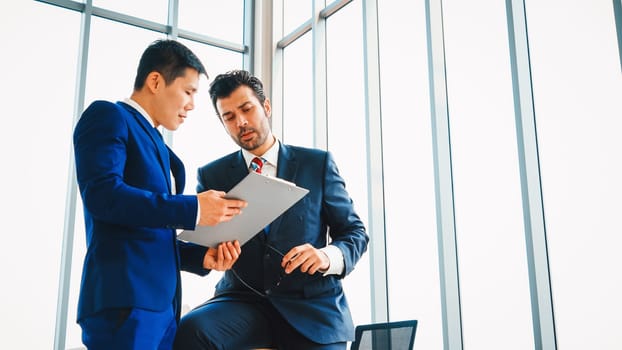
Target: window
(492,260)
(410,217)
(346,131)
(298,93)
(37,89)
(577,87)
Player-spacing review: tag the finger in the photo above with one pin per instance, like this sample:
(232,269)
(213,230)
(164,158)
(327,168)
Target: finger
(236,203)
(232,211)
(221,253)
(227,251)
(296,262)
(311,266)
(315,267)
(225,218)
(237,246)
(212,251)
(219,193)
(291,255)
(304,268)
(288,260)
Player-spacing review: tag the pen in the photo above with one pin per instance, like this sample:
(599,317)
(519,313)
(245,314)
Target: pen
(283,272)
(290,261)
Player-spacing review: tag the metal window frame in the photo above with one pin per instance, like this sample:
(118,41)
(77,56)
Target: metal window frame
(443,178)
(617,12)
(531,186)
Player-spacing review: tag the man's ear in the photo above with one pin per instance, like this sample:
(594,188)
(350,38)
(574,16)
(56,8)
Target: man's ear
(154,81)
(267,107)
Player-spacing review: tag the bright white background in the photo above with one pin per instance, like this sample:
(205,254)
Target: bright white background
(577,88)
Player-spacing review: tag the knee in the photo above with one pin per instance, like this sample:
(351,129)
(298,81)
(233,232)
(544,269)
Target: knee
(188,324)
(191,335)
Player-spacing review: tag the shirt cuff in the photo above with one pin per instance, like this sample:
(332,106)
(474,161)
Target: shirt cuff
(198,212)
(335,258)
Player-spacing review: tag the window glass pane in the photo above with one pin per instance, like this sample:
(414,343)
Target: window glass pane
(577,87)
(153,10)
(346,132)
(219,19)
(295,13)
(112,64)
(492,259)
(298,93)
(37,92)
(412,251)
(110,76)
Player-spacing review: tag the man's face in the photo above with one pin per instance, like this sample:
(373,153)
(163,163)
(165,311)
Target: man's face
(246,119)
(174,101)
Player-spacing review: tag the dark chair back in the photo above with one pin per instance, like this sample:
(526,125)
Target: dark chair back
(398,335)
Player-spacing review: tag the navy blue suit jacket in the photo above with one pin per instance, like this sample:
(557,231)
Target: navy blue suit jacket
(313,304)
(123,170)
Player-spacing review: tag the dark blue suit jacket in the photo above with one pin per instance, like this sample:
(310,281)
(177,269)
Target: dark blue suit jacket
(313,304)
(123,169)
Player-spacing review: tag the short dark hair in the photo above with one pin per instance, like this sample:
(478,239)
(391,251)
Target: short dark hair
(169,58)
(224,84)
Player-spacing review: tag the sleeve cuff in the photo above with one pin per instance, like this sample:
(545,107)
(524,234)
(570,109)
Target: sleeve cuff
(198,212)
(335,258)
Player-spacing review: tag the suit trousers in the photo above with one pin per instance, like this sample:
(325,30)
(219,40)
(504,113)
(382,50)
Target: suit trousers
(129,329)
(241,324)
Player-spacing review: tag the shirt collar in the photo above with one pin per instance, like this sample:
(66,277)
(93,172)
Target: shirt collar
(140,110)
(271,155)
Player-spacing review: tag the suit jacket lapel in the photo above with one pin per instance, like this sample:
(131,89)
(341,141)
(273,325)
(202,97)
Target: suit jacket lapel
(287,169)
(288,164)
(237,170)
(156,138)
(178,170)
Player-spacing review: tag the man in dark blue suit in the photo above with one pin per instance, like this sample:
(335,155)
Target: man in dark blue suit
(285,288)
(130,289)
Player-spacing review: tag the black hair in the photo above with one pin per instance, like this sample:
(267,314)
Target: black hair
(169,58)
(224,84)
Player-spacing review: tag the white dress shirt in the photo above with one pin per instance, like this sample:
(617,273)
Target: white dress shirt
(335,256)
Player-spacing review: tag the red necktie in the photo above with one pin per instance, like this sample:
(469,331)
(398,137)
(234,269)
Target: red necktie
(256,164)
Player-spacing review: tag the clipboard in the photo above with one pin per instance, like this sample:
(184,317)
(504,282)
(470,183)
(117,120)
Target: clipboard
(267,197)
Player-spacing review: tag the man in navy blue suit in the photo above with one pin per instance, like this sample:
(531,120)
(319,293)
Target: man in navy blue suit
(285,288)
(132,185)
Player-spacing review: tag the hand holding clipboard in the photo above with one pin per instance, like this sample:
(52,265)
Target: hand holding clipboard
(267,198)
